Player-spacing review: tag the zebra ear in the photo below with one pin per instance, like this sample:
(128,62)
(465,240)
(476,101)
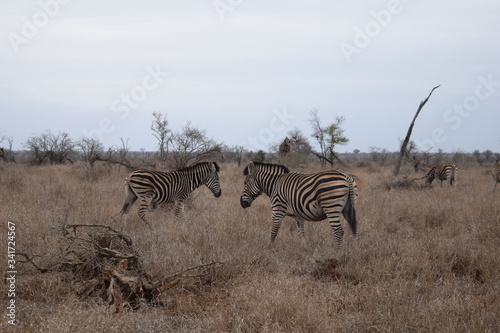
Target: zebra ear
(214,167)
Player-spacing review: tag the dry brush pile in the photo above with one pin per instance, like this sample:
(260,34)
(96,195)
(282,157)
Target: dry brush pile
(103,263)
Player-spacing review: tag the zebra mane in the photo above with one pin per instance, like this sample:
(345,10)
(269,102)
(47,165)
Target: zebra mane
(279,166)
(198,165)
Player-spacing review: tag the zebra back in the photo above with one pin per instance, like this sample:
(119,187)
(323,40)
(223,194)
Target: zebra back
(266,168)
(198,173)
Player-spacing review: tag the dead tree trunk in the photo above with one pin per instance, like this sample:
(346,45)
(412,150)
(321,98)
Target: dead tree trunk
(404,145)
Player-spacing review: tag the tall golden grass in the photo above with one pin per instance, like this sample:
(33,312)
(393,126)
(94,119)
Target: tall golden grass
(425,260)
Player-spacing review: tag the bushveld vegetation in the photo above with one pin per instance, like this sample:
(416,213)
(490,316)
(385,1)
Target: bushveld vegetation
(424,260)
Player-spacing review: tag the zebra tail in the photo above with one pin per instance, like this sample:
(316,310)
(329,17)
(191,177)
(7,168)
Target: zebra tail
(454,175)
(350,209)
(131,198)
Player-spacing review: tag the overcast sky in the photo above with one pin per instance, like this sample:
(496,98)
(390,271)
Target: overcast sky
(249,71)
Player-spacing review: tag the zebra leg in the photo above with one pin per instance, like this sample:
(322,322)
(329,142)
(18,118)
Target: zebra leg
(452,180)
(300,227)
(334,221)
(300,230)
(179,209)
(145,204)
(276,218)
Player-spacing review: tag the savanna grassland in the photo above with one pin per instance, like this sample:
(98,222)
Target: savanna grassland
(424,260)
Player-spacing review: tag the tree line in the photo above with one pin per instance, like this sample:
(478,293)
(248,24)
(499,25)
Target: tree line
(180,148)
(191,144)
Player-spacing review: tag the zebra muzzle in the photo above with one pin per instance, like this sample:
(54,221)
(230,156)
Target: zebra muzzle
(244,203)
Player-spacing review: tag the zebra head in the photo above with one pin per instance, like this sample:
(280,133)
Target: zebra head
(212,180)
(251,189)
(259,177)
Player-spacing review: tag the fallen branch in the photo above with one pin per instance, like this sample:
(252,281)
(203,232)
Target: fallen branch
(28,259)
(118,234)
(193,268)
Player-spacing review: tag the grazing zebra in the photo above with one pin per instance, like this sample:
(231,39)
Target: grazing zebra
(156,187)
(311,197)
(442,172)
(496,173)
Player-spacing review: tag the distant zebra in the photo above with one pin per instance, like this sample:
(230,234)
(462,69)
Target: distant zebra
(442,172)
(311,197)
(156,187)
(496,173)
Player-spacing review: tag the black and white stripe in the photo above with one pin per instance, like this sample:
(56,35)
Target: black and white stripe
(156,187)
(447,172)
(310,197)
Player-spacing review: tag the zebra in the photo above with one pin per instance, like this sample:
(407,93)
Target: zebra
(496,173)
(156,187)
(311,197)
(442,172)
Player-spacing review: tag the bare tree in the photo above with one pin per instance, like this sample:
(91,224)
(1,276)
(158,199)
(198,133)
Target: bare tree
(123,151)
(48,146)
(191,145)
(162,134)
(239,151)
(92,149)
(299,142)
(403,152)
(487,154)
(328,137)
(378,154)
(318,133)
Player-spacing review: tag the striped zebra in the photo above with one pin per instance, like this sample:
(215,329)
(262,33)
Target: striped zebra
(311,197)
(156,187)
(496,173)
(442,172)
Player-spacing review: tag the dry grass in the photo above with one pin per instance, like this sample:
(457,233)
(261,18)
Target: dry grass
(425,260)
